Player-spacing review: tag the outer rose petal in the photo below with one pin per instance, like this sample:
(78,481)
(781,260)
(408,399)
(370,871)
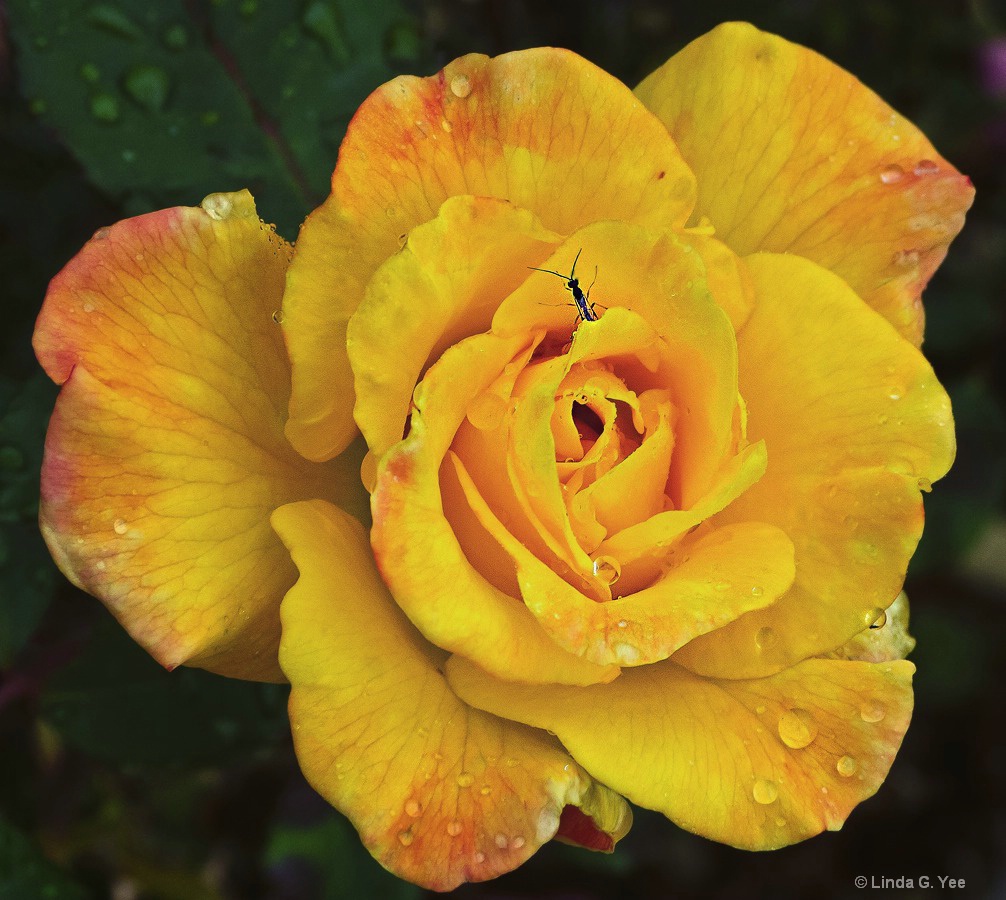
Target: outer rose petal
(439,792)
(793,154)
(755,764)
(165,454)
(855,423)
(542,128)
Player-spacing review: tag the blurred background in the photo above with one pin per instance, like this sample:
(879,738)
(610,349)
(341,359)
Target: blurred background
(119,780)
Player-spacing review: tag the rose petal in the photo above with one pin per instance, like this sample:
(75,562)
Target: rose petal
(419,555)
(793,154)
(444,285)
(165,454)
(542,128)
(439,792)
(756,764)
(855,423)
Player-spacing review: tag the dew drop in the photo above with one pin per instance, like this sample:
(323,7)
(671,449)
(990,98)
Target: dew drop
(501,841)
(765,638)
(846,766)
(120,526)
(780,822)
(88,306)
(797,728)
(760,708)
(480,857)
(412,808)
(622,623)
(460,86)
(875,618)
(148,86)
(518,842)
(405,838)
(466,779)
(277,316)
(764,792)
(218,206)
(905,259)
(757,591)
(487,411)
(872,711)
(446,126)
(454,828)
(105,108)
(175,37)
(925,167)
(892,174)
(607,568)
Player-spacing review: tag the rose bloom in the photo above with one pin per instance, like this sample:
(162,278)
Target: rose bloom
(523,563)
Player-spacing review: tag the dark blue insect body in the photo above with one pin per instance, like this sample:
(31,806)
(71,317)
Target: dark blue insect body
(584,308)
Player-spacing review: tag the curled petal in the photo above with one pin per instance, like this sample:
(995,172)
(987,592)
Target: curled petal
(793,154)
(757,764)
(440,793)
(165,454)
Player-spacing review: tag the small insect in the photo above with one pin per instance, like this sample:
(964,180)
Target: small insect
(584,308)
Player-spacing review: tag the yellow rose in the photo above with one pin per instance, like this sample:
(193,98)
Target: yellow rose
(639,547)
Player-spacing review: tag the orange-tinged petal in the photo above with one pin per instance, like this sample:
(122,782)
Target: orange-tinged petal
(885,638)
(420,556)
(439,792)
(166,454)
(757,764)
(855,423)
(444,285)
(793,154)
(542,128)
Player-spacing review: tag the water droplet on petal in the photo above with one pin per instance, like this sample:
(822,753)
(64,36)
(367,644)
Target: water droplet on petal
(765,638)
(446,126)
(454,828)
(120,526)
(277,316)
(797,728)
(760,708)
(905,259)
(892,174)
(875,618)
(518,842)
(105,108)
(846,766)
(486,790)
(780,821)
(765,792)
(480,857)
(926,167)
(218,206)
(501,841)
(460,86)
(872,711)
(607,568)
(412,808)
(466,779)
(405,838)
(757,591)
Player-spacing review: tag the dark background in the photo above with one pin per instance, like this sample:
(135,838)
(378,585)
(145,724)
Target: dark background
(119,780)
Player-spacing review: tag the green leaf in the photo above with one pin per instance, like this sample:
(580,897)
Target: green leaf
(166,102)
(27,577)
(334,851)
(116,703)
(26,873)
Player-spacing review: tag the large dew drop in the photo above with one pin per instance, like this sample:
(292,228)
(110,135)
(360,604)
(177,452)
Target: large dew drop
(797,728)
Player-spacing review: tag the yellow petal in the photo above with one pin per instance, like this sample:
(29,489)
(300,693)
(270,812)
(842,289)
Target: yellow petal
(165,454)
(420,557)
(855,424)
(440,793)
(542,128)
(793,154)
(756,764)
(443,286)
